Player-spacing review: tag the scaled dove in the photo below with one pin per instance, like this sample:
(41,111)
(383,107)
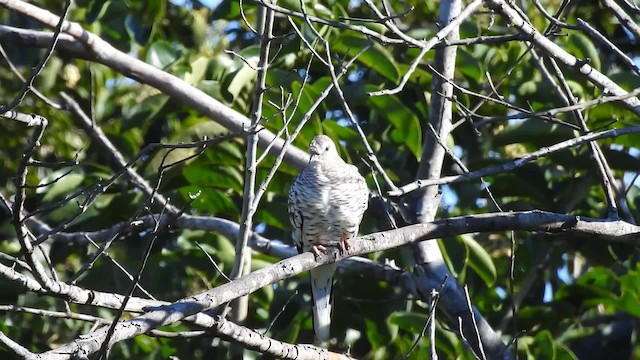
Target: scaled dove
(326,203)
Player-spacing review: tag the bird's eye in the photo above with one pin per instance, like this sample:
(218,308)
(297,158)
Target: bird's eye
(326,148)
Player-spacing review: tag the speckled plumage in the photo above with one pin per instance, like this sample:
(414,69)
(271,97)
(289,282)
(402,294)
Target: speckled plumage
(326,203)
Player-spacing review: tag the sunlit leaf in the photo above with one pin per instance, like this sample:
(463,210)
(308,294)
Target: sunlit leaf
(161,54)
(62,184)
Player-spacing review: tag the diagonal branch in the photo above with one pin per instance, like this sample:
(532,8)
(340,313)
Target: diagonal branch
(102,52)
(523,25)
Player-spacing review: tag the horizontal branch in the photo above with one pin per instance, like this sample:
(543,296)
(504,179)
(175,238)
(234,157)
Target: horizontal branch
(611,230)
(230,229)
(27,119)
(550,113)
(78,295)
(519,162)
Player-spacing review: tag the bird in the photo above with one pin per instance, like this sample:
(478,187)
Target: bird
(326,203)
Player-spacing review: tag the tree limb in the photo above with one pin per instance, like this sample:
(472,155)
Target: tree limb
(611,230)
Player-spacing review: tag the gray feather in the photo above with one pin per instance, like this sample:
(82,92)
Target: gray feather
(326,203)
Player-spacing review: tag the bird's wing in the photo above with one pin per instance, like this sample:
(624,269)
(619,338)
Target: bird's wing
(295,213)
(349,197)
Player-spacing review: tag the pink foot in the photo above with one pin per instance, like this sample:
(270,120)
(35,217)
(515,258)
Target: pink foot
(318,250)
(344,244)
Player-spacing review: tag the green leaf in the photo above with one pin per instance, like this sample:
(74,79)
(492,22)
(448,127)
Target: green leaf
(146,343)
(311,92)
(198,128)
(410,321)
(227,10)
(376,58)
(225,250)
(564,353)
(480,260)
(469,64)
(535,132)
(220,65)
(447,257)
(227,153)
(160,54)
(96,10)
(142,112)
(62,186)
(198,71)
(223,177)
(138,31)
(406,124)
(596,284)
(545,346)
(244,77)
(374,336)
(209,200)
(273,219)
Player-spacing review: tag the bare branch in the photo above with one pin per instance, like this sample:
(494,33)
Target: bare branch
(15,347)
(101,139)
(609,45)
(440,36)
(418,184)
(249,208)
(102,52)
(253,340)
(27,119)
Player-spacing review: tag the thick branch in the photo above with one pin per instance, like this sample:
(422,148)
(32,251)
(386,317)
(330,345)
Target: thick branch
(619,231)
(354,265)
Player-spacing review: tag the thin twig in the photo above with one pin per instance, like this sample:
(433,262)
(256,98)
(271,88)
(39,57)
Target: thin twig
(336,86)
(624,18)
(213,262)
(475,325)
(96,134)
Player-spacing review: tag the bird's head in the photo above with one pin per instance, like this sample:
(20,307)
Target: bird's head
(322,147)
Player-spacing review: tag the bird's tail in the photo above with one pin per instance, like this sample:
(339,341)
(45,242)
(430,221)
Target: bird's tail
(321,284)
